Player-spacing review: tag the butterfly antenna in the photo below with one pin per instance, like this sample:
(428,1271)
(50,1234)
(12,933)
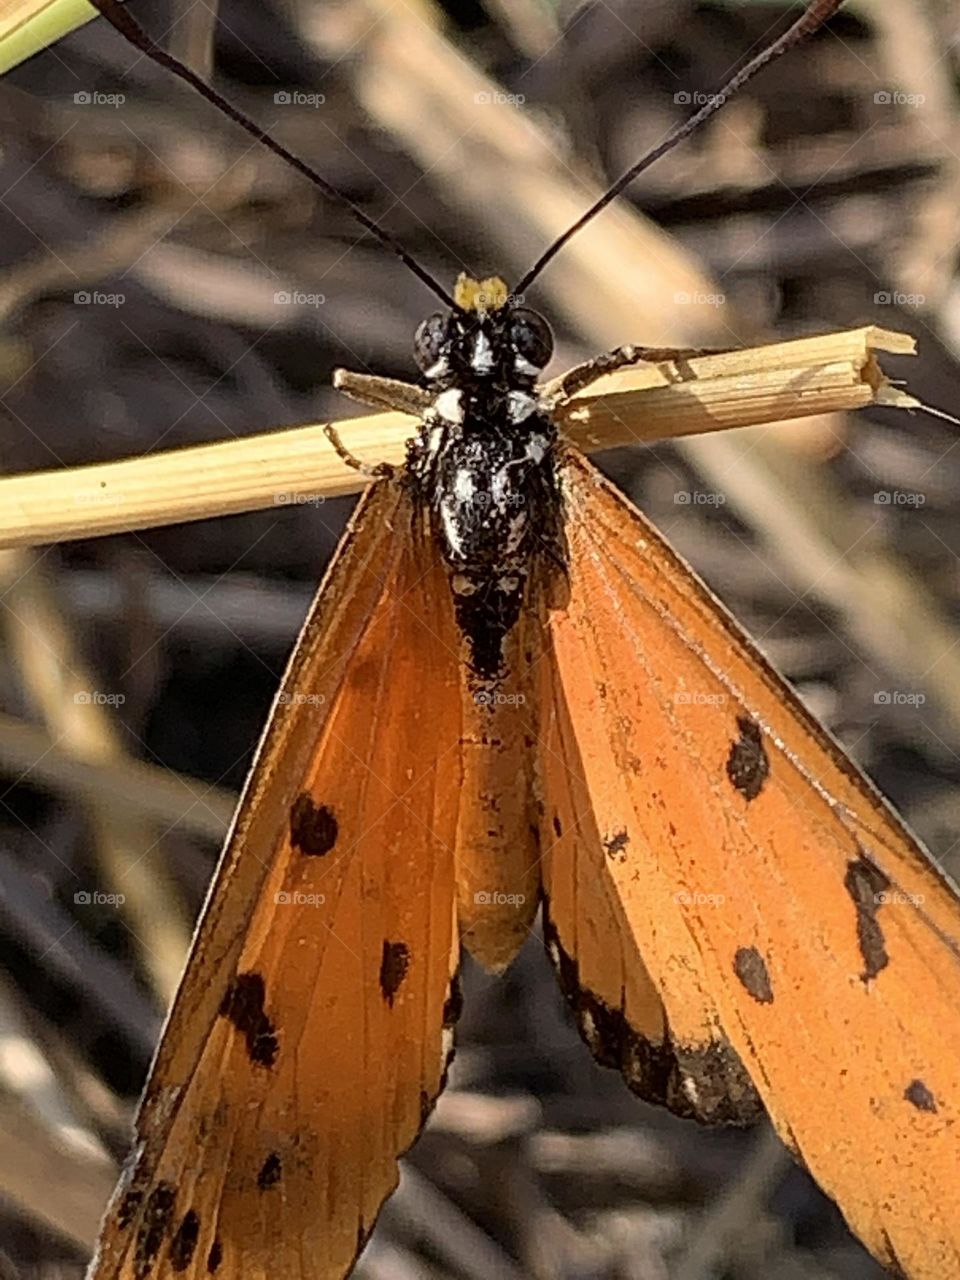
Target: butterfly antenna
(119,18)
(817,13)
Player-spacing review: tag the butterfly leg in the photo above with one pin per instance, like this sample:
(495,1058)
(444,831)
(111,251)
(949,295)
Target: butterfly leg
(383,393)
(560,390)
(379,393)
(377,470)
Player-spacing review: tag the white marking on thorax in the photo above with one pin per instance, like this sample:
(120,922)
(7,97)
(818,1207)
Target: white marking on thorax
(520,405)
(482,358)
(463,485)
(434,435)
(537,447)
(450,530)
(449,405)
(500,485)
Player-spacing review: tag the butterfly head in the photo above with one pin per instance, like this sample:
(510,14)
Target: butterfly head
(485,336)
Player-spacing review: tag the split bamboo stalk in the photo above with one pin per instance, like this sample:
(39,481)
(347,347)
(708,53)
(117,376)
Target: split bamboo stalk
(775,383)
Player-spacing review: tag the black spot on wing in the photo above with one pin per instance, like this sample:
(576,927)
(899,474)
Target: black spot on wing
(155,1223)
(452,1008)
(750,967)
(270,1172)
(920,1096)
(129,1208)
(615,846)
(214,1258)
(139,1179)
(708,1083)
(748,765)
(890,1260)
(243,1004)
(184,1242)
(394,963)
(867,886)
(557,826)
(313,827)
(711,1084)
(453,1005)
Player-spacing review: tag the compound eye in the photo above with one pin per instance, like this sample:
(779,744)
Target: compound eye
(430,344)
(532,340)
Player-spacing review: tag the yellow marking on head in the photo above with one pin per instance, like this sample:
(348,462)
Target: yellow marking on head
(480,295)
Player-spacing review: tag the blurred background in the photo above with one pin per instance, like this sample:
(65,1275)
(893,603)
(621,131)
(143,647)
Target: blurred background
(164,283)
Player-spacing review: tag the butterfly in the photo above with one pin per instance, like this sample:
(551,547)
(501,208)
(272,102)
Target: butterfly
(505,673)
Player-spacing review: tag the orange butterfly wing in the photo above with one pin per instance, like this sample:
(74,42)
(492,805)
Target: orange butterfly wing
(308,1039)
(724,888)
